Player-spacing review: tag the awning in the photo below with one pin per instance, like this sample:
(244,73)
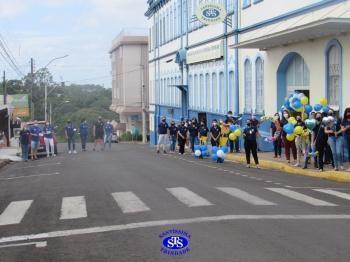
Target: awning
(310,31)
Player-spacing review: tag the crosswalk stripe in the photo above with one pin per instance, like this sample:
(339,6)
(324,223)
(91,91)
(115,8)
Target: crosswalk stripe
(188,197)
(129,202)
(73,207)
(301,197)
(14,212)
(334,193)
(245,196)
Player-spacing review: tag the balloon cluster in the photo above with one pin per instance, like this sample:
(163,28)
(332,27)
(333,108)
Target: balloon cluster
(201,151)
(298,102)
(219,153)
(235,132)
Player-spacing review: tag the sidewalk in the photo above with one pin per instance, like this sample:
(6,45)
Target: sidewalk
(10,153)
(267,161)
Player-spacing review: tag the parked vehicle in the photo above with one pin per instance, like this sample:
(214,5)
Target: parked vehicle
(42,146)
(115,138)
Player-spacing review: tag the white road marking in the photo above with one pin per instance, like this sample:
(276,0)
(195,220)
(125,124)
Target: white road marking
(73,207)
(161,223)
(37,244)
(334,193)
(29,176)
(129,202)
(25,167)
(15,212)
(251,199)
(301,197)
(188,197)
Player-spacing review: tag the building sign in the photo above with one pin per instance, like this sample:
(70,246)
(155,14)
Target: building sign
(20,103)
(211,13)
(206,53)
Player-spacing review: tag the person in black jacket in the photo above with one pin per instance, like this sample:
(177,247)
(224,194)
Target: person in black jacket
(320,138)
(250,134)
(24,141)
(181,137)
(173,136)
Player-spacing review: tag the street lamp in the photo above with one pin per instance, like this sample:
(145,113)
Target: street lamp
(46,94)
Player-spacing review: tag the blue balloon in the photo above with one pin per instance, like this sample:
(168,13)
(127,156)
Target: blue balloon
(204,148)
(214,157)
(325,109)
(317,107)
(197,147)
(288,128)
(297,104)
(214,149)
(204,153)
(308,109)
(233,128)
(295,99)
(225,149)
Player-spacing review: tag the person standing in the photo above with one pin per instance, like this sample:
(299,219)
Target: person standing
(320,139)
(345,124)
(173,136)
(182,137)
(98,133)
(84,131)
(215,133)
(193,130)
(203,133)
(108,130)
(48,138)
(163,133)
(250,135)
(35,131)
(231,120)
(300,141)
(70,131)
(276,130)
(336,142)
(288,145)
(24,141)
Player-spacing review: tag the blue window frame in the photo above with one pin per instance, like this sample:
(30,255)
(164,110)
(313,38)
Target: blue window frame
(247,3)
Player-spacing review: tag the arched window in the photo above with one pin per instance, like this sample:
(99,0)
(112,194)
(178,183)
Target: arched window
(298,75)
(207,92)
(248,86)
(223,93)
(231,87)
(215,92)
(201,91)
(334,71)
(259,78)
(190,91)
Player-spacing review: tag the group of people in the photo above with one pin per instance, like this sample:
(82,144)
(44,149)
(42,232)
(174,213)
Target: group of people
(193,132)
(325,143)
(30,137)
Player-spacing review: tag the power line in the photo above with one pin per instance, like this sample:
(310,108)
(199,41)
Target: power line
(8,57)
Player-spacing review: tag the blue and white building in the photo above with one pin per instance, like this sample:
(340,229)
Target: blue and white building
(264,50)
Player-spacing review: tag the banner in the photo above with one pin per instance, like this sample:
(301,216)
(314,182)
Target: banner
(20,103)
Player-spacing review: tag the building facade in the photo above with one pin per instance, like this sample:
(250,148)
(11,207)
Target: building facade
(201,86)
(269,49)
(129,57)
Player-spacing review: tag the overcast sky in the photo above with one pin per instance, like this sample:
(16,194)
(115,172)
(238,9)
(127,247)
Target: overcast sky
(83,29)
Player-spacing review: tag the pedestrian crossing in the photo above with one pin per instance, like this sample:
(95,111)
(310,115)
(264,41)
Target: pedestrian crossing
(75,207)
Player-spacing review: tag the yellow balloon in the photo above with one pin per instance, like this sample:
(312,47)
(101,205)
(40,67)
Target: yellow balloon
(223,141)
(324,101)
(292,120)
(304,100)
(238,132)
(290,137)
(298,130)
(232,137)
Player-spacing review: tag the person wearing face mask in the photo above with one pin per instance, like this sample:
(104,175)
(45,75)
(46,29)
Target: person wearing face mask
(276,129)
(163,134)
(319,140)
(24,137)
(301,141)
(288,145)
(215,133)
(108,131)
(345,125)
(173,136)
(335,141)
(35,131)
(250,135)
(84,131)
(203,133)
(231,120)
(48,138)
(98,133)
(193,131)
(182,137)
(70,132)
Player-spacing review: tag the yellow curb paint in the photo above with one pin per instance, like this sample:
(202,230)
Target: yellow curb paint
(330,175)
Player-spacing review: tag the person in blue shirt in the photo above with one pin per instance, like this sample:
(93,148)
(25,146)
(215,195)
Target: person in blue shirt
(84,131)
(35,131)
(48,138)
(70,131)
(108,131)
(24,138)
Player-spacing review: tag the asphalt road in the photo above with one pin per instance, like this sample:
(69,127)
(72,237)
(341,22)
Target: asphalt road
(114,206)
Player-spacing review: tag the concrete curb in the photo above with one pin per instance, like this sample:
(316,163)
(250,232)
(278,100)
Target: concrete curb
(329,175)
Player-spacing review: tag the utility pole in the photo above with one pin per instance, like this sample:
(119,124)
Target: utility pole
(4,87)
(31,87)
